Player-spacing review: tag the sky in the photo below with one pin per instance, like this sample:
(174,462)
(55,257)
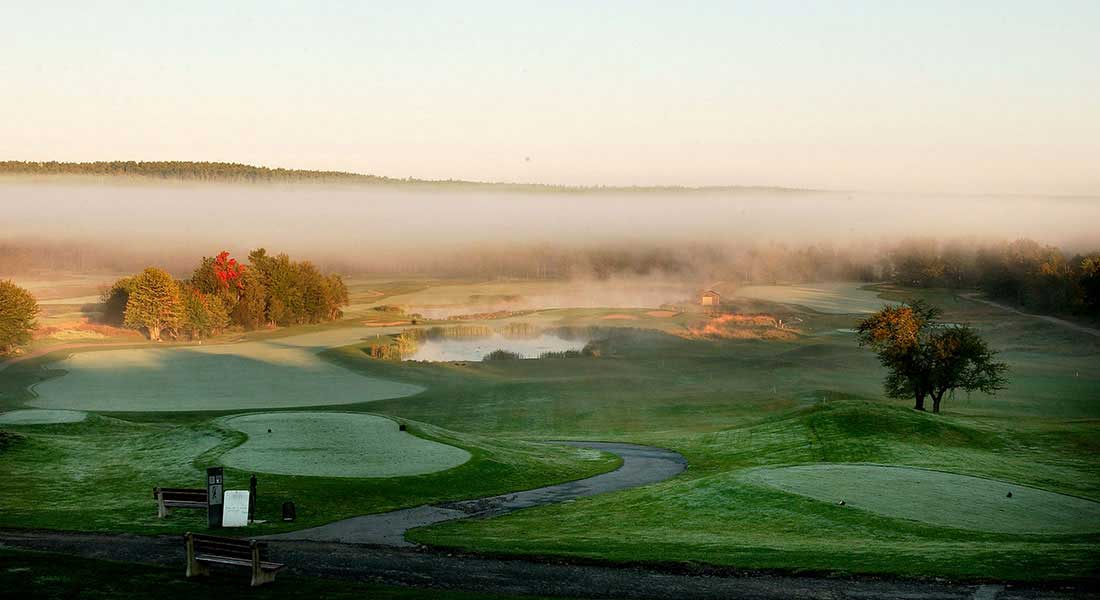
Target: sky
(931,96)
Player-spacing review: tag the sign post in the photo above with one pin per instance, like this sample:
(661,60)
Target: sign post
(215,485)
(252,498)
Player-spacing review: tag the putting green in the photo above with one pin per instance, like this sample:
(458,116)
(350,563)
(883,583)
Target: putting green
(335,445)
(41,417)
(278,373)
(839,298)
(937,498)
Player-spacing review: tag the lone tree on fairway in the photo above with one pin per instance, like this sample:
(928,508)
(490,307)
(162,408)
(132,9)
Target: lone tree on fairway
(18,311)
(927,358)
(154,303)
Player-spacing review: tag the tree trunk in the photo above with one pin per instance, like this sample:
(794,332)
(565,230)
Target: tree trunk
(154,333)
(936,402)
(920,402)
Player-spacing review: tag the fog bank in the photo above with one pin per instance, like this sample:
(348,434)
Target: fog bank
(388,229)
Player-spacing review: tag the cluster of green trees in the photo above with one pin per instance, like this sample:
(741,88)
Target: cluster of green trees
(221,293)
(1024,272)
(18,316)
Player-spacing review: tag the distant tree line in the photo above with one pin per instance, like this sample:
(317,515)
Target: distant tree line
(221,293)
(182,170)
(242,173)
(1024,272)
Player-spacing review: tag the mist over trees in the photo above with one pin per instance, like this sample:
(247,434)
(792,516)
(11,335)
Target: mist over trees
(1023,272)
(1034,276)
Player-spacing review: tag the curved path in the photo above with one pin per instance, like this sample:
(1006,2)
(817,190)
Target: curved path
(642,465)
(1049,319)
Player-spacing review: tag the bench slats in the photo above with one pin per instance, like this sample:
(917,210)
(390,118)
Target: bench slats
(267,566)
(185,504)
(203,549)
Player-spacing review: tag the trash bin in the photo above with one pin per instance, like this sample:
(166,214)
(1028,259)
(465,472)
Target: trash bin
(289,513)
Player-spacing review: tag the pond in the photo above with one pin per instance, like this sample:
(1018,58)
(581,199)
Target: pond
(444,349)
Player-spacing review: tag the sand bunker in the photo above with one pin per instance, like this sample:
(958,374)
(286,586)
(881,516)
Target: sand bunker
(937,498)
(662,314)
(277,373)
(335,445)
(619,317)
(41,417)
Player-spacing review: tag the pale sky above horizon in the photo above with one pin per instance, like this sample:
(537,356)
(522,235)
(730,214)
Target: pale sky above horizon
(978,96)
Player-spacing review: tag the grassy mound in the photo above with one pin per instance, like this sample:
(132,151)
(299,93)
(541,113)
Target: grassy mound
(327,444)
(715,514)
(938,498)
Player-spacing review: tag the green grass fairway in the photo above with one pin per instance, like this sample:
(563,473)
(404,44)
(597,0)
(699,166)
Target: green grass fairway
(830,298)
(41,417)
(730,406)
(277,373)
(935,497)
(335,445)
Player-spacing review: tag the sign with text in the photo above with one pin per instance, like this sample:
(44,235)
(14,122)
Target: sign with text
(215,483)
(235,509)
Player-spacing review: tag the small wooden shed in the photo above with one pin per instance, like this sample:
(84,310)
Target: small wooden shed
(710,298)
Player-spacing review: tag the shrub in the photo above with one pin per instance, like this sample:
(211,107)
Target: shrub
(502,355)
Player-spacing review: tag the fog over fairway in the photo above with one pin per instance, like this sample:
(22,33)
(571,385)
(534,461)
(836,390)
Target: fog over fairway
(415,227)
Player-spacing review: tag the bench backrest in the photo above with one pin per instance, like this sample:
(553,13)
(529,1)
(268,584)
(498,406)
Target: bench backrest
(186,494)
(223,546)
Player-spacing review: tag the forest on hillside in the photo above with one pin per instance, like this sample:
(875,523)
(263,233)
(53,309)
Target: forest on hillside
(223,172)
(184,171)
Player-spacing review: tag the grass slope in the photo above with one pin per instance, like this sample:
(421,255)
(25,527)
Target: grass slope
(712,515)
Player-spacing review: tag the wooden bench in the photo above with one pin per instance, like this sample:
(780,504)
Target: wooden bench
(203,550)
(169,498)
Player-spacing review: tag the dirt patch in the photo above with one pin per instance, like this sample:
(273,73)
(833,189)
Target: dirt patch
(83,330)
(662,314)
(744,327)
(619,317)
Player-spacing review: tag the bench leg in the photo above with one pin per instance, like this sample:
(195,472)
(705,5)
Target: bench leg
(162,510)
(194,567)
(260,577)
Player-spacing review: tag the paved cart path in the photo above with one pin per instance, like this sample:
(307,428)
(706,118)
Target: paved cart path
(1047,318)
(516,576)
(642,465)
